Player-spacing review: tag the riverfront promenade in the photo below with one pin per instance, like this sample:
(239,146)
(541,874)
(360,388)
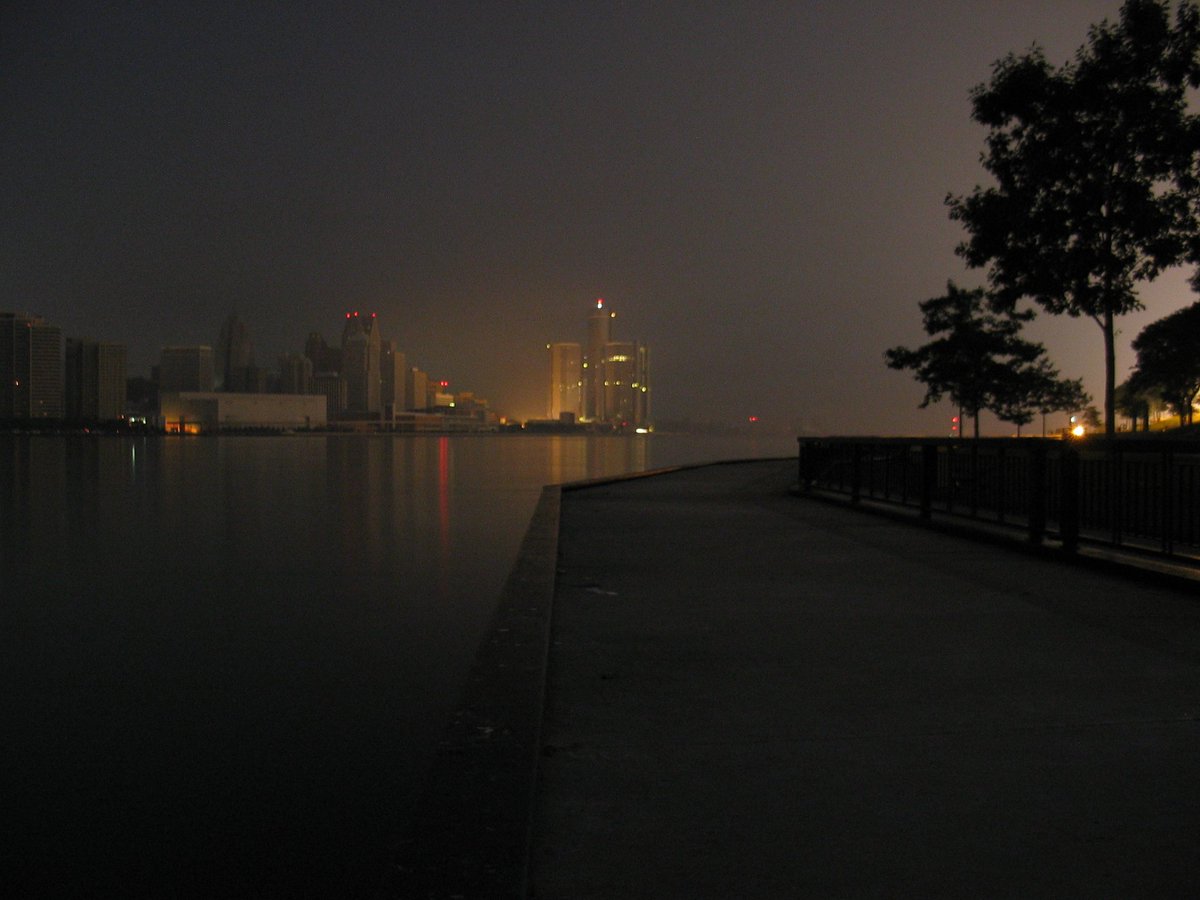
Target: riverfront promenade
(753,694)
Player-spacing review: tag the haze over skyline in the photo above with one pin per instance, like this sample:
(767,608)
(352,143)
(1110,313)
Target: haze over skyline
(756,188)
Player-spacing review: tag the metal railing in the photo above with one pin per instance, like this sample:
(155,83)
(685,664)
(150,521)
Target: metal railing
(1140,494)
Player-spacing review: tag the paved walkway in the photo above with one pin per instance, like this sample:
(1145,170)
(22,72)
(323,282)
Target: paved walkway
(701,686)
(752,694)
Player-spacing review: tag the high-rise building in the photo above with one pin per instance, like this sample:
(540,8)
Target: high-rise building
(614,377)
(361,371)
(324,358)
(416,390)
(185,369)
(599,335)
(566,381)
(233,357)
(641,387)
(295,374)
(330,386)
(394,369)
(95,380)
(31,368)
(620,375)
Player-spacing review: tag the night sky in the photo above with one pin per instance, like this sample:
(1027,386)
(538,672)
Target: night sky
(755,188)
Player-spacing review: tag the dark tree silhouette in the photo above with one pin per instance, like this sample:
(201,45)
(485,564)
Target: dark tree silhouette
(1168,358)
(977,358)
(1035,386)
(1135,403)
(1095,168)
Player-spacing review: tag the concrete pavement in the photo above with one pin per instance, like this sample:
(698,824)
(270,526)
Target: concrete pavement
(752,694)
(726,691)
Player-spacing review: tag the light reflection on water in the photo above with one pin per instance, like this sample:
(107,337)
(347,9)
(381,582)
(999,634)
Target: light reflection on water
(226,660)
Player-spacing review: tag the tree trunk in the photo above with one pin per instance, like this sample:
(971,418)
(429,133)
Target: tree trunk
(1110,369)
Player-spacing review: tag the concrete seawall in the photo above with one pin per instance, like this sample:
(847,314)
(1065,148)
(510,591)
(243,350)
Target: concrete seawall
(701,686)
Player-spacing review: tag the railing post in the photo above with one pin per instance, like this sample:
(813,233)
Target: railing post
(929,453)
(1001,483)
(1168,502)
(856,473)
(974,476)
(1116,500)
(1037,493)
(1068,515)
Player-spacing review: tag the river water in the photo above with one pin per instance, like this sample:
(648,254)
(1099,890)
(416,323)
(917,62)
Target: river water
(226,660)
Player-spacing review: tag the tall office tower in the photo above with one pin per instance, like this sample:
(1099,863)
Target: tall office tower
(185,369)
(324,358)
(234,356)
(295,374)
(330,386)
(31,368)
(360,364)
(620,373)
(394,369)
(416,389)
(251,380)
(566,381)
(95,390)
(599,334)
(641,398)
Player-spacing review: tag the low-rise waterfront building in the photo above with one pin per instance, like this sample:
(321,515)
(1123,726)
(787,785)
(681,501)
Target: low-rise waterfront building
(195,412)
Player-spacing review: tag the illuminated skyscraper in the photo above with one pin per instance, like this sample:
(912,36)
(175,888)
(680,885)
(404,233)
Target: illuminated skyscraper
(599,335)
(31,368)
(619,368)
(566,381)
(641,388)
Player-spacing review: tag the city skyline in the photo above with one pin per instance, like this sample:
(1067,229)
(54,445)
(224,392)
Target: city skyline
(364,383)
(761,186)
(602,381)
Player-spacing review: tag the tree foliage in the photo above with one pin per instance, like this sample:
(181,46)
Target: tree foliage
(979,360)
(1136,402)
(1036,387)
(1095,170)
(1168,359)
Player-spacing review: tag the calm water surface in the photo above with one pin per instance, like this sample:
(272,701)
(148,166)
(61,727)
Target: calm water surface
(225,661)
